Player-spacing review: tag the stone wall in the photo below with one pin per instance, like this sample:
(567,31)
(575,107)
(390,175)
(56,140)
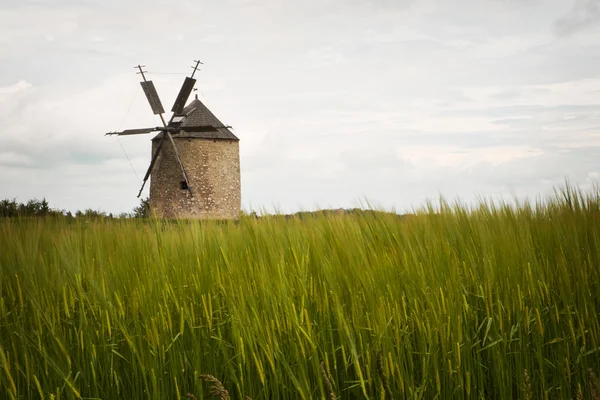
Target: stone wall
(213,171)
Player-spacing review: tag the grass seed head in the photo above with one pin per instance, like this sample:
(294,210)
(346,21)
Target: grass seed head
(327,382)
(579,395)
(216,389)
(384,381)
(528,392)
(594,385)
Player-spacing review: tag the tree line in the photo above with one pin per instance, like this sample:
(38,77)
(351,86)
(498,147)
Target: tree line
(11,208)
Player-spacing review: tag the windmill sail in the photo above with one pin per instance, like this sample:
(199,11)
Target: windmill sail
(152,96)
(149,171)
(184,94)
(134,131)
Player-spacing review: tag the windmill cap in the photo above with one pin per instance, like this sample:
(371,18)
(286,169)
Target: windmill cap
(199,116)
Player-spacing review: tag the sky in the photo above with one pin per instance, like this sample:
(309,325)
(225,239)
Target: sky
(337,103)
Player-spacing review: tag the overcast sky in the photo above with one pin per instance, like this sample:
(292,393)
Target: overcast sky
(335,101)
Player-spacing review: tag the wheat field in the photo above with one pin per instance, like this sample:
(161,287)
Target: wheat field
(497,301)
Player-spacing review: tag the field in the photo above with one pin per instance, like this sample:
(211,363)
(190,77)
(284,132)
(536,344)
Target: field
(498,301)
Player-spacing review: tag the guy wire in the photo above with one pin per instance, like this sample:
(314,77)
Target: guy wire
(119,140)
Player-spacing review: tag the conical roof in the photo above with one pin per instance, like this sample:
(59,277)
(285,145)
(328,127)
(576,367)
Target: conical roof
(202,123)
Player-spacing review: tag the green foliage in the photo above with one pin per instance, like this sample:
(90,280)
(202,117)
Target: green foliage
(497,302)
(10,208)
(143,210)
(33,208)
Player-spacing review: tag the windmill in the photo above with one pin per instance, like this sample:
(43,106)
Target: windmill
(190,122)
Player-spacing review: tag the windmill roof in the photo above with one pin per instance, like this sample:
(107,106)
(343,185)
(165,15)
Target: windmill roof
(201,118)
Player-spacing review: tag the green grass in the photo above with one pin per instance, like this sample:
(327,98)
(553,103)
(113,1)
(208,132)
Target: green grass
(495,302)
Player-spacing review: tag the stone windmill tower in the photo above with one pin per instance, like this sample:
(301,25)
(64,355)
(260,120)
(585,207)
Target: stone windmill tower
(197,174)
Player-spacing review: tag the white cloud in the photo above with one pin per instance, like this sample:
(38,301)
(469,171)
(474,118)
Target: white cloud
(15,88)
(583,14)
(433,156)
(322,57)
(12,158)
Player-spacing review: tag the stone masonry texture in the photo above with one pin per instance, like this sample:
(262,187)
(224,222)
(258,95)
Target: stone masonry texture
(213,171)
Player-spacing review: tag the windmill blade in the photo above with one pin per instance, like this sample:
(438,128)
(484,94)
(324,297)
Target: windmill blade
(154,157)
(189,188)
(133,131)
(184,94)
(152,96)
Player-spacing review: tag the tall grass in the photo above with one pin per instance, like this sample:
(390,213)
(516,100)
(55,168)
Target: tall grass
(495,302)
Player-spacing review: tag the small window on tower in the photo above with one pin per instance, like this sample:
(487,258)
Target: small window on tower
(183,185)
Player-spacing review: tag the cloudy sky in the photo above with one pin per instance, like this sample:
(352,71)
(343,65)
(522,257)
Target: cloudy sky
(335,101)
